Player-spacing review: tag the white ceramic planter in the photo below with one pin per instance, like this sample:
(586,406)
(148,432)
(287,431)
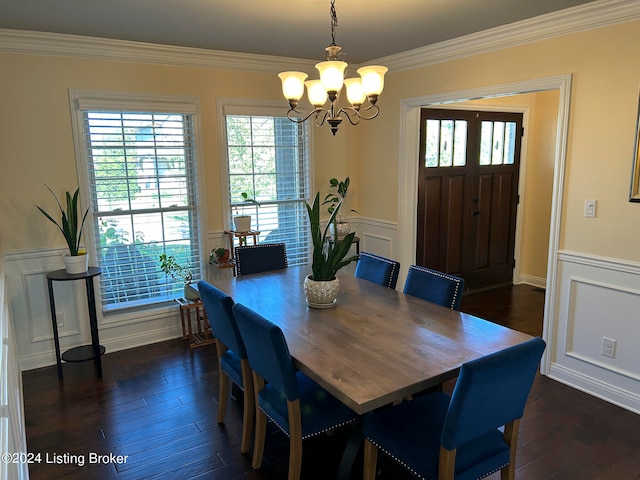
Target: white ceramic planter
(321,294)
(76,264)
(242,223)
(344,229)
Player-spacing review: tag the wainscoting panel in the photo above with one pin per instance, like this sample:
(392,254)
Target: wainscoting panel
(596,298)
(28,301)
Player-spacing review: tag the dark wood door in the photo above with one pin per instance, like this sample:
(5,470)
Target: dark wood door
(468,194)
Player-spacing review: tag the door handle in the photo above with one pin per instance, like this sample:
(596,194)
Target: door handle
(475,212)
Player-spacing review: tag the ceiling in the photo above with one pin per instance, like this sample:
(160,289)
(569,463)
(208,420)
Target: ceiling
(367,29)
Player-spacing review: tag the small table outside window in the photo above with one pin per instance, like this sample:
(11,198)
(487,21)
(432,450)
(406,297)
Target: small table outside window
(83,352)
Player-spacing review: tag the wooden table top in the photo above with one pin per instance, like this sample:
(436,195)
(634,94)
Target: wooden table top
(377,345)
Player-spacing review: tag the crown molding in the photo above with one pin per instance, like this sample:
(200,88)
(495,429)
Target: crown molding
(571,20)
(44,43)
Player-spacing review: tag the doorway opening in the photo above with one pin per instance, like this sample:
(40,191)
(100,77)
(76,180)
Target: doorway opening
(408,174)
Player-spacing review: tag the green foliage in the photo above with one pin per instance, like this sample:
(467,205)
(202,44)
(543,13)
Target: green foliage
(68,225)
(338,196)
(170,266)
(328,257)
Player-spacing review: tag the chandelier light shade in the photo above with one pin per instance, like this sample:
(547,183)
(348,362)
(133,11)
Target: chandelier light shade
(331,72)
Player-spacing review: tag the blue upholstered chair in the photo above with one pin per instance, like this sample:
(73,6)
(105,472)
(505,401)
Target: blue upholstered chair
(378,269)
(444,437)
(294,402)
(263,257)
(233,364)
(434,286)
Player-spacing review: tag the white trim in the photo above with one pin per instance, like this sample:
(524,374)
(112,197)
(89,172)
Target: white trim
(44,43)
(596,14)
(563,22)
(408,173)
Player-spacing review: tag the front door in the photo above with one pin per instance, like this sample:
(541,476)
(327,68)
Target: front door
(468,194)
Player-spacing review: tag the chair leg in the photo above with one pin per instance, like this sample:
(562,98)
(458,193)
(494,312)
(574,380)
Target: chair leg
(511,437)
(223,383)
(222,398)
(248,411)
(447,465)
(370,461)
(261,424)
(295,439)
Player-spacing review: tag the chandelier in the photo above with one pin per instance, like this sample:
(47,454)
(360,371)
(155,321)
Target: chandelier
(367,87)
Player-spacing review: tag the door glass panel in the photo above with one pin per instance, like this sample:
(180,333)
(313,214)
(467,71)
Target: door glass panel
(510,143)
(486,143)
(432,142)
(460,145)
(498,143)
(446,143)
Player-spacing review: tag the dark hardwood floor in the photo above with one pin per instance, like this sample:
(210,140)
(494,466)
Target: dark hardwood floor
(156,405)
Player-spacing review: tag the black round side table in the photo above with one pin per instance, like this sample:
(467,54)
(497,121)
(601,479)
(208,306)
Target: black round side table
(83,352)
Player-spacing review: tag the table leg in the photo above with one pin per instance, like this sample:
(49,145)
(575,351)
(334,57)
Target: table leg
(93,322)
(351,449)
(54,321)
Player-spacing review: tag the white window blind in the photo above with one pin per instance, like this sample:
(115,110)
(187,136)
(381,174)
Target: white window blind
(142,176)
(268,160)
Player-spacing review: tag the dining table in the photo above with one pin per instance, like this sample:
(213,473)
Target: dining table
(376,346)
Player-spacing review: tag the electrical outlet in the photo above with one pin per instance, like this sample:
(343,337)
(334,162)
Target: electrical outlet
(60,319)
(609,347)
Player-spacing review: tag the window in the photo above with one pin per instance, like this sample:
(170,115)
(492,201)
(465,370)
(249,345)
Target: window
(267,158)
(141,173)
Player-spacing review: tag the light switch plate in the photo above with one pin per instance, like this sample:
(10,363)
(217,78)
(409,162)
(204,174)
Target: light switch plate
(590,208)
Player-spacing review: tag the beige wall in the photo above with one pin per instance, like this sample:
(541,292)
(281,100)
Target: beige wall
(602,123)
(36,144)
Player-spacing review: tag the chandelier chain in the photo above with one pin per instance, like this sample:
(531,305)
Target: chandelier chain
(334,21)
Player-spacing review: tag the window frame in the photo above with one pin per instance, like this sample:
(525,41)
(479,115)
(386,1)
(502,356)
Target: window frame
(252,107)
(82,100)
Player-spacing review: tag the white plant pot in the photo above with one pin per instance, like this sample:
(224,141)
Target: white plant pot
(242,223)
(76,264)
(344,229)
(321,294)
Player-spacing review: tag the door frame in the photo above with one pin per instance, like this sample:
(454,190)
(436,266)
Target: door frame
(408,175)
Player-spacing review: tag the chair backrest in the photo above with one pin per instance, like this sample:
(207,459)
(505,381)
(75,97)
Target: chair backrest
(218,306)
(267,350)
(377,269)
(259,258)
(491,392)
(434,286)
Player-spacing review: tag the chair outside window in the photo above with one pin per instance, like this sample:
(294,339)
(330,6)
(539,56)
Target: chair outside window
(263,257)
(444,437)
(434,286)
(233,365)
(296,404)
(377,269)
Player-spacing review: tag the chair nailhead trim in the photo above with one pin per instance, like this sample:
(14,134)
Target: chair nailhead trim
(416,473)
(394,264)
(306,436)
(443,275)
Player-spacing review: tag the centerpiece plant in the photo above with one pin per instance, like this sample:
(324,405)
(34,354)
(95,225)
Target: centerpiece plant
(328,257)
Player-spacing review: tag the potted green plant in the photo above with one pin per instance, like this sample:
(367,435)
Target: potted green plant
(337,197)
(242,223)
(322,286)
(71,227)
(219,255)
(170,266)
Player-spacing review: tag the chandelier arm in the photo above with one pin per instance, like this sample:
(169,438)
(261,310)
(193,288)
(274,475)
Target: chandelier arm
(295,119)
(354,115)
